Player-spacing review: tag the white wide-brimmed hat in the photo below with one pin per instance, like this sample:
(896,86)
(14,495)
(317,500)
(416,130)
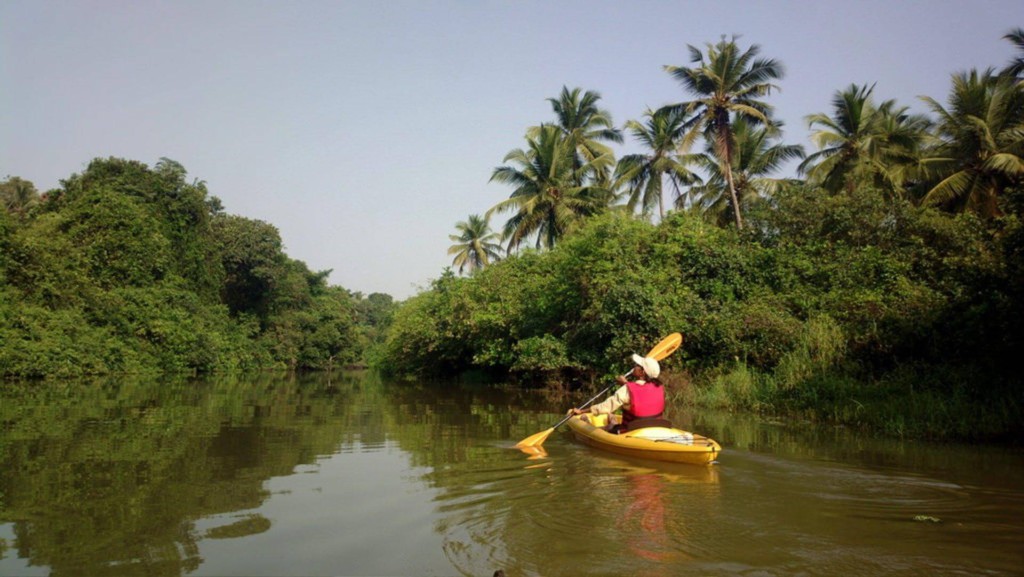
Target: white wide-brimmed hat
(649,365)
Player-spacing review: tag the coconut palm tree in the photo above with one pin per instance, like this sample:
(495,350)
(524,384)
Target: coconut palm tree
(728,83)
(757,154)
(476,245)
(551,195)
(981,148)
(643,175)
(584,124)
(1016,66)
(862,142)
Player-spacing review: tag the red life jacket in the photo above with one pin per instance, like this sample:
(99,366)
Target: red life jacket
(645,401)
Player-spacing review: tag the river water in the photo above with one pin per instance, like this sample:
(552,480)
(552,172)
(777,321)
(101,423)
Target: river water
(346,475)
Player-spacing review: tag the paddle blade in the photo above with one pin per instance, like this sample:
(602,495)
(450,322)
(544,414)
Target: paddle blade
(666,347)
(536,439)
(534,453)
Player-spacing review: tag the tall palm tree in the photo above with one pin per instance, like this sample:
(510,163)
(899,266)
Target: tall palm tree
(981,148)
(476,245)
(584,124)
(862,142)
(757,154)
(727,83)
(1016,66)
(552,195)
(644,175)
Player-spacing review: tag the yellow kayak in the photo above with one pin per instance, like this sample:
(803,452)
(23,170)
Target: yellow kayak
(657,443)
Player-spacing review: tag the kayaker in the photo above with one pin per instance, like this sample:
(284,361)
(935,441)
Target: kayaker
(642,397)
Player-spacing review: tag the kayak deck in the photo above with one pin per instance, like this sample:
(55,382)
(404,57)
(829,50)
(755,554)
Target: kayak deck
(657,443)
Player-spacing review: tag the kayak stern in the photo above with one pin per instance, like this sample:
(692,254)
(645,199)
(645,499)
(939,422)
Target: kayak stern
(655,443)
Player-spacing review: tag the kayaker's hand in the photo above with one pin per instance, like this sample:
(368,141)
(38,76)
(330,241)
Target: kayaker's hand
(620,379)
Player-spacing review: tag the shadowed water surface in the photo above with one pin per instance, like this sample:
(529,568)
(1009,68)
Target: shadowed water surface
(345,475)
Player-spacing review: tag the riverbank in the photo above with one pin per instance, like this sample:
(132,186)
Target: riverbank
(912,403)
(856,309)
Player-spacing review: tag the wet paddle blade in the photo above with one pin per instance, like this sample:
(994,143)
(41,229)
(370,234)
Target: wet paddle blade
(534,453)
(535,440)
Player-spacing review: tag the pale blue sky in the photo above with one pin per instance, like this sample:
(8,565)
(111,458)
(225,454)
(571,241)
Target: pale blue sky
(365,130)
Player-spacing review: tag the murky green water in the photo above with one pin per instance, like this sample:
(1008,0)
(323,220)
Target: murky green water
(348,476)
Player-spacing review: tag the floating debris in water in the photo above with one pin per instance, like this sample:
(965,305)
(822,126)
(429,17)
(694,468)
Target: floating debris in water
(927,519)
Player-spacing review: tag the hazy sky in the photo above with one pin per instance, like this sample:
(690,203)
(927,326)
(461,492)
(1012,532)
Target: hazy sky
(364,130)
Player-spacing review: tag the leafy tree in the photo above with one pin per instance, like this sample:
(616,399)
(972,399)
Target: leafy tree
(320,335)
(728,83)
(120,242)
(476,246)
(548,199)
(643,175)
(180,209)
(981,143)
(756,155)
(428,335)
(252,255)
(373,315)
(861,143)
(375,310)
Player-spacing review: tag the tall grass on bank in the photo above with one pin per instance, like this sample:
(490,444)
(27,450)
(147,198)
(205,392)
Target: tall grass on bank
(812,382)
(819,347)
(925,402)
(739,388)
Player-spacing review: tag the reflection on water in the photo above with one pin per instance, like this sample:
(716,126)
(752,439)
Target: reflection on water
(345,475)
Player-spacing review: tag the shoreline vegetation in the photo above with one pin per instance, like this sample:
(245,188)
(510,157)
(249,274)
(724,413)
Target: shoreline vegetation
(132,269)
(883,289)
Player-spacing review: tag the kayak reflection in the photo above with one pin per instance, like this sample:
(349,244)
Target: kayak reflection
(643,521)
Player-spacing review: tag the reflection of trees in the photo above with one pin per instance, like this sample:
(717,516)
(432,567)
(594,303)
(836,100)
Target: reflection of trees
(111,478)
(107,478)
(805,438)
(438,422)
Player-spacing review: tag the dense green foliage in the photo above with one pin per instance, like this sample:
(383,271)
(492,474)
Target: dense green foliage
(127,268)
(825,304)
(884,290)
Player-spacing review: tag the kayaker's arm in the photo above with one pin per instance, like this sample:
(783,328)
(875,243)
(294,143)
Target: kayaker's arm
(609,405)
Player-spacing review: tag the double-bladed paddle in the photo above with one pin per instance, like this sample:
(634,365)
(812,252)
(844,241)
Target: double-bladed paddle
(666,347)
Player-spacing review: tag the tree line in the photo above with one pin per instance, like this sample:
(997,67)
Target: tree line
(962,157)
(126,268)
(881,287)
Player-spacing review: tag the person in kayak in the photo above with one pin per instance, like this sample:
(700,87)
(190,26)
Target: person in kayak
(642,397)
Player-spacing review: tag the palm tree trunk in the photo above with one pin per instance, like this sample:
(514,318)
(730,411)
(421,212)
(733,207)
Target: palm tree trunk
(732,195)
(725,157)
